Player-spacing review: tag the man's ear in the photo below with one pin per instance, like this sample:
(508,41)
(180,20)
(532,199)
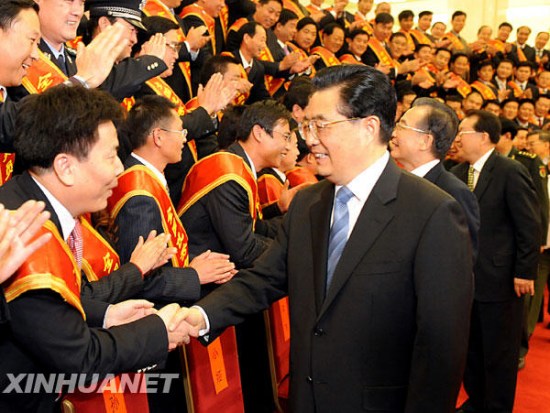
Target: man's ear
(64,167)
(257,133)
(103,22)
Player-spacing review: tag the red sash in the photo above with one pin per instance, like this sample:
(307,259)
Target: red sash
(139,180)
(381,53)
(52,267)
(238,24)
(269,189)
(350,59)
(42,75)
(486,91)
(521,55)
(303,55)
(161,88)
(224,20)
(290,5)
(100,259)
(273,84)
(463,87)
(455,41)
(300,175)
(515,88)
(199,12)
(6,166)
(367,26)
(421,37)
(497,44)
(241,98)
(213,171)
(278,336)
(410,41)
(328,58)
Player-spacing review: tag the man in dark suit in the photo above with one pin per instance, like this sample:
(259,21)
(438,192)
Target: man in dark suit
(509,242)
(521,51)
(72,168)
(421,139)
(383,328)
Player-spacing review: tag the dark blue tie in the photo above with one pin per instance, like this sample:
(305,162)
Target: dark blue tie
(338,231)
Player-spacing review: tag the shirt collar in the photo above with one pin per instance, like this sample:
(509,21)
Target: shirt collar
(361,186)
(422,170)
(478,165)
(246,63)
(66,220)
(156,172)
(55,52)
(251,164)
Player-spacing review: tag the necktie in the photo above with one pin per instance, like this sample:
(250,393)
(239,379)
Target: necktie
(61,63)
(285,49)
(338,231)
(75,242)
(471,178)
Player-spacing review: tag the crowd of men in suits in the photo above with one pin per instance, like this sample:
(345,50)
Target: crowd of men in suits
(172,169)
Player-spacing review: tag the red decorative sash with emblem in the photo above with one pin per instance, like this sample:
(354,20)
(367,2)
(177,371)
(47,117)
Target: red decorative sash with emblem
(456,44)
(515,88)
(497,44)
(410,41)
(273,84)
(198,11)
(521,55)
(381,53)
(241,98)
(213,171)
(138,180)
(269,189)
(6,166)
(366,25)
(350,59)
(328,58)
(421,37)
(99,258)
(300,175)
(157,8)
(290,5)
(42,75)
(161,88)
(463,87)
(486,91)
(52,267)
(238,24)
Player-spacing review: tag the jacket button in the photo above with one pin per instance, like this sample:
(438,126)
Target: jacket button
(309,379)
(318,332)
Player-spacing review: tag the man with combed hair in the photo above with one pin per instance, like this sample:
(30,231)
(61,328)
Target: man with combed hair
(369,331)
(509,243)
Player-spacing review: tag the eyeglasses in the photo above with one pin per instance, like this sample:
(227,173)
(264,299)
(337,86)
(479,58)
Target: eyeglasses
(182,132)
(313,128)
(401,125)
(287,136)
(466,132)
(175,46)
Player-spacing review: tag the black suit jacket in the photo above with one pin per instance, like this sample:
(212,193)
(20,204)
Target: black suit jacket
(391,334)
(528,51)
(221,221)
(256,76)
(510,231)
(459,191)
(139,216)
(48,335)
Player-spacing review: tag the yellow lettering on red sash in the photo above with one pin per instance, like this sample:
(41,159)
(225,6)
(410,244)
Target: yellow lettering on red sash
(114,399)
(217,366)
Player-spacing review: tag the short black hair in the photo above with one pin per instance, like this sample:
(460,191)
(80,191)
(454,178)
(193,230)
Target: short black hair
(405,14)
(364,91)
(63,119)
(524,101)
(455,56)
(506,61)
(298,93)
(486,122)
(228,130)
(154,25)
(505,24)
(524,64)
(421,46)
(356,32)
(286,16)
(266,114)
(397,34)
(146,114)
(248,28)
(441,121)
(458,13)
(305,22)
(215,64)
(329,28)
(384,18)
(267,1)
(10,9)
(442,49)
(506,101)
(485,63)
(425,13)
(508,126)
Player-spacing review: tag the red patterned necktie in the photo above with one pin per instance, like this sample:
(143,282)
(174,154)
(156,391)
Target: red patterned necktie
(76,243)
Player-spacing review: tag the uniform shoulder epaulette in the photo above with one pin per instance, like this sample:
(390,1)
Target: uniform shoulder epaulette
(70,51)
(527,154)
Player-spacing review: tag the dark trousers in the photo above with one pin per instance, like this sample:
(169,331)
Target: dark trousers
(493,351)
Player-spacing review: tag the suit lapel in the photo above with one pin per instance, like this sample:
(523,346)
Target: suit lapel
(485,176)
(34,192)
(374,217)
(319,213)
